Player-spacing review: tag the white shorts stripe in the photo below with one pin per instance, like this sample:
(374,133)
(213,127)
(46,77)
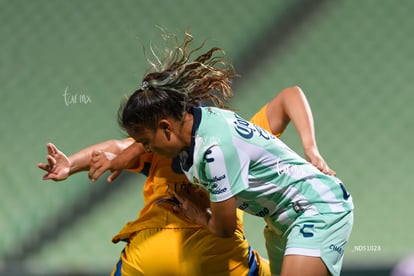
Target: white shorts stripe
(303,252)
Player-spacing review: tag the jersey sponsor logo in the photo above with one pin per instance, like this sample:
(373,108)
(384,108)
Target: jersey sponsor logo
(216,178)
(247,130)
(218,191)
(337,249)
(215,189)
(306,230)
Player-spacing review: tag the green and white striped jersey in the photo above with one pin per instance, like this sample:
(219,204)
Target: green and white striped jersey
(231,157)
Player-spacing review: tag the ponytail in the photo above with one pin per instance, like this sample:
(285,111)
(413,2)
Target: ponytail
(177,83)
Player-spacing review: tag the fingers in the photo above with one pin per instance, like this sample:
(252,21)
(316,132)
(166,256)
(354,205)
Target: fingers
(52,176)
(52,149)
(46,176)
(51,162)
(315,158)
(94,174)
(42,166)
(179,196)
(187,196)
(323,167)
(182,198)
(100,163)
(114,175)
(178,209)
(170,204)
(97,173)
(331,172)
(96,156)
(49,176)
(95,166)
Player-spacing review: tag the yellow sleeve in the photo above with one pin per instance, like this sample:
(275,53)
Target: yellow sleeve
(260,119)
(144,162)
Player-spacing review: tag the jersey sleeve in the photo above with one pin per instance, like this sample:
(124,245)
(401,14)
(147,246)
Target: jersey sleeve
(143,164)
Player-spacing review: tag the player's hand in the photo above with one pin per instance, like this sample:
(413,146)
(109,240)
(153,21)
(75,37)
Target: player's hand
(58,164)
(314,157)
(100,163)
(194,204)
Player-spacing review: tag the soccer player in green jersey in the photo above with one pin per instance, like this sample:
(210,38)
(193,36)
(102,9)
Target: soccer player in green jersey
(309,214)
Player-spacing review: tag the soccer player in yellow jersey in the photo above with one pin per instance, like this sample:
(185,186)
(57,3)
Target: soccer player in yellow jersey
(161,242)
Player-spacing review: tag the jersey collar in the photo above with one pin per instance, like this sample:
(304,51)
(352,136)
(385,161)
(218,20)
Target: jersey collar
(185,158)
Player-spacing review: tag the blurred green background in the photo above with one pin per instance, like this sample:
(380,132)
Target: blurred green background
(66,65)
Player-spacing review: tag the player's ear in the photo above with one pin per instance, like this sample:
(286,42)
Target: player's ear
(165,126)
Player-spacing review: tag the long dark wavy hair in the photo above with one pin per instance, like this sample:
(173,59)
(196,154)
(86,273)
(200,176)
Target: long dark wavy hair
(176,83)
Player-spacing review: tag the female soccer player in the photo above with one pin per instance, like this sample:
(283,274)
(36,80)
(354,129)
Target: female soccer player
(309,214)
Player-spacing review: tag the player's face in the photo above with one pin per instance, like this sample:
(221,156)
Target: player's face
(159,141)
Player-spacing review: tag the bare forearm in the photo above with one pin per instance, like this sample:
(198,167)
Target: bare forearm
(129,157)
(80,161)
(298,110)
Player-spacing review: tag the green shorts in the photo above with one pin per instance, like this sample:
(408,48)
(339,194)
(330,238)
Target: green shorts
(323,235)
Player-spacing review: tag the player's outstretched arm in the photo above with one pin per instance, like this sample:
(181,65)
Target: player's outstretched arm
(59,166)
(292,105)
